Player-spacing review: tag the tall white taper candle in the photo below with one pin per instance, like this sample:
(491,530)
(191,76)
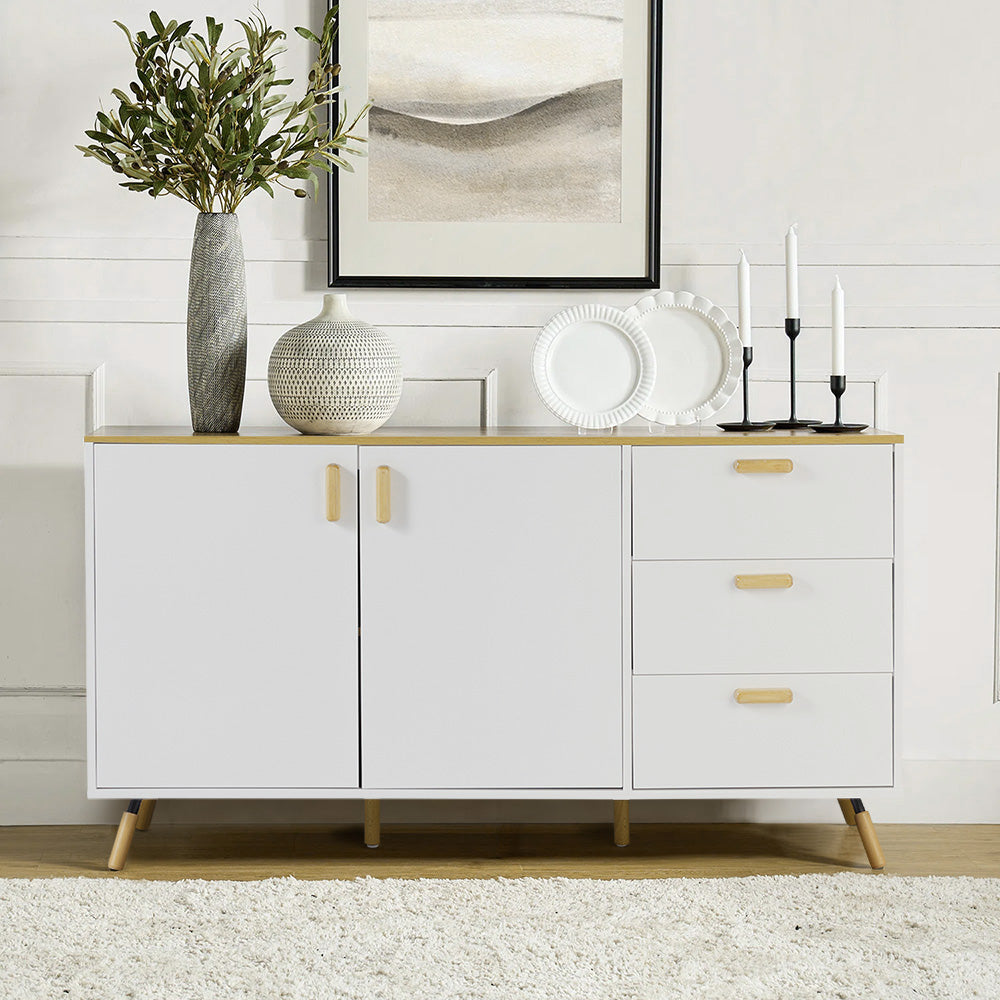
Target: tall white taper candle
(837,339)
(792,273)
(743,289)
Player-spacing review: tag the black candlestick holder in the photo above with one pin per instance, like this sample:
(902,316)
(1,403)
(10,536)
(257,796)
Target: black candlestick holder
(746,424)
(792,328)
(838,386)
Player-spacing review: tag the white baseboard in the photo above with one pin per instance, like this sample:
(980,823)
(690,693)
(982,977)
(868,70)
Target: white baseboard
(929,791)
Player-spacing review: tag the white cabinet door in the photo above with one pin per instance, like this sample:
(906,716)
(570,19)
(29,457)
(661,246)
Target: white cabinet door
(226,616)
(491,634)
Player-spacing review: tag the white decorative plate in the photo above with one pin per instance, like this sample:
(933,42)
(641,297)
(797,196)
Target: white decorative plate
(593,366)
(699,358)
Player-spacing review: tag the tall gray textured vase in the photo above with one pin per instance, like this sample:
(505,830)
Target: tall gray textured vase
(216,325)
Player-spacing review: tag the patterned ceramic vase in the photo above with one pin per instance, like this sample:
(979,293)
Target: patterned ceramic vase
(335,374)
(216,325)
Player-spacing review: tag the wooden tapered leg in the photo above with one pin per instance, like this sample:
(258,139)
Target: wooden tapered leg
(869,838)
(145,815)
(373,822)
(848,810)
(123,838)
(622,831)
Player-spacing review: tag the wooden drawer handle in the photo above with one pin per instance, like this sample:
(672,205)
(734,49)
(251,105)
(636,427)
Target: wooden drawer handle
(763,696)
(383,507)
(763,581)
(763,465)
(333,492)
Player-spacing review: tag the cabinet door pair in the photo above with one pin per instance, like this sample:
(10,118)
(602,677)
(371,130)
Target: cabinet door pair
(227,614)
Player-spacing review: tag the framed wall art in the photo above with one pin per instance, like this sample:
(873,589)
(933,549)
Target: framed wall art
(511,143)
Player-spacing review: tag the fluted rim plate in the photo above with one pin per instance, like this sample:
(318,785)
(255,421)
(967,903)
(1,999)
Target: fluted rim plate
(699,358)
(593,366)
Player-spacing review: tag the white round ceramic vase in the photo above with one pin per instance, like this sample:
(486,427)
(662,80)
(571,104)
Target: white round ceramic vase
(335,374)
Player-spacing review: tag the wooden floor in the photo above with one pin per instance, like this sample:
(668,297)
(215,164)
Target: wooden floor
(484,851)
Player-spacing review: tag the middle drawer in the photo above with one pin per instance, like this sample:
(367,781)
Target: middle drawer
(762,616)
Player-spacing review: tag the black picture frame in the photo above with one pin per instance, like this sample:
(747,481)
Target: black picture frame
(646,277)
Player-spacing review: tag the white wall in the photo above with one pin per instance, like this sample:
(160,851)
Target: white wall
(871,122)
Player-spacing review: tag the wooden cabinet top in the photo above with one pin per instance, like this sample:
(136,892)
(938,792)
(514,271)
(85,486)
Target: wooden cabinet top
(639,436)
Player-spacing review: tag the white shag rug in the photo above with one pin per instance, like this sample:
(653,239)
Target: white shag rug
(775,938)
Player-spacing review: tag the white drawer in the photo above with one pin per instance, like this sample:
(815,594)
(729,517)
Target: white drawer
(692,503)
(692,617)
(690,732)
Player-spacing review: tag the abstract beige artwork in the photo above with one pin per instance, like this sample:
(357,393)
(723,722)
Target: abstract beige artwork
(495,110)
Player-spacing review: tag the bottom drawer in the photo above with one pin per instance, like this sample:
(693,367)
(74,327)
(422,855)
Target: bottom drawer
(690,731)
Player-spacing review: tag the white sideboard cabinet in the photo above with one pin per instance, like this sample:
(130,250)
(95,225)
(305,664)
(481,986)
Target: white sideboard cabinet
(523,613)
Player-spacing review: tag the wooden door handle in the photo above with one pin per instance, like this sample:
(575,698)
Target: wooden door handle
(757,465)
(383,498)
(763,581)
(333,492)
(763,696)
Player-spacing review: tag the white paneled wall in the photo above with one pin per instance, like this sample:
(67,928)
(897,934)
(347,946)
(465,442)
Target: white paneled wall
(870,122)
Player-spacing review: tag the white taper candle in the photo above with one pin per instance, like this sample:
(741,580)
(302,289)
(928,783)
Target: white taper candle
(743,290)
(792,273)
(837,339)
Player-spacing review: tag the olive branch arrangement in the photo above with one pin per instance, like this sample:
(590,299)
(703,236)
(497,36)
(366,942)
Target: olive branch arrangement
(205,124)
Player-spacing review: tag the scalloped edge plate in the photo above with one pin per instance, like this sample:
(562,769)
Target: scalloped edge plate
(634,336)
(729,340)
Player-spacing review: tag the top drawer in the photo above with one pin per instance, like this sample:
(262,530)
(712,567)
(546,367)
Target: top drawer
(721,502)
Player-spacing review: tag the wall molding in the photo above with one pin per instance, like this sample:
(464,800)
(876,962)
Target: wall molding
(43,692)
(42,725)
(96,385)
(141,248)
(672,254)
(519,310)
(996,559)
(878,381)
(486,378)
(45,723)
